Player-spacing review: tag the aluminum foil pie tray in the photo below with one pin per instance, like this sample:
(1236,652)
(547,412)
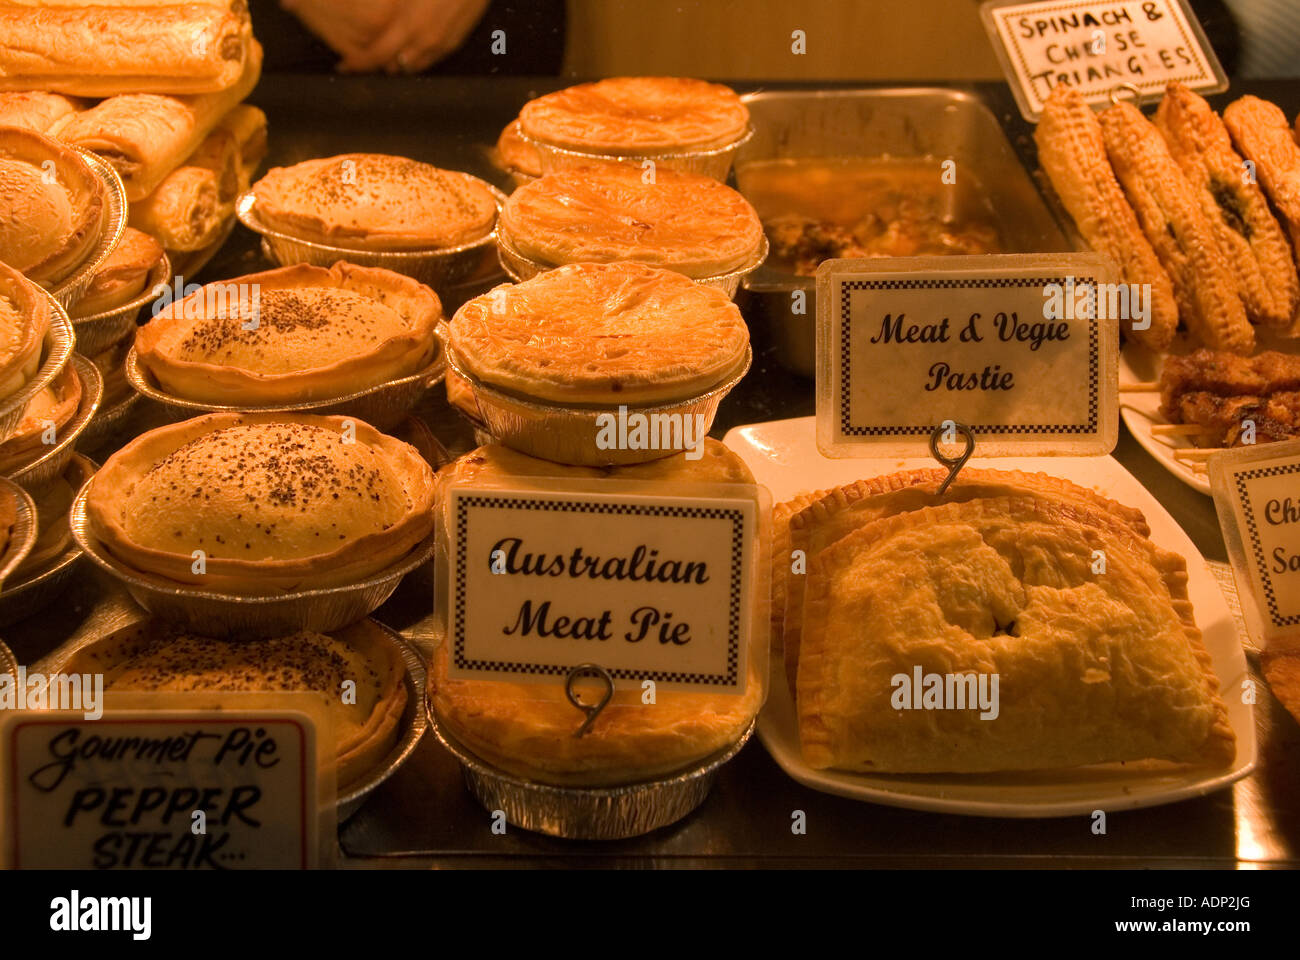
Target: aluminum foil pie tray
(107,422)
(567,434)
(35,477)
(321,609)
(715,163)
(56,352)
(382,406)
(521,268)
(21,598)
(69,290)
(99,331)
(437,268)
(587,813)
(23,535)
(8,662)
(411,727)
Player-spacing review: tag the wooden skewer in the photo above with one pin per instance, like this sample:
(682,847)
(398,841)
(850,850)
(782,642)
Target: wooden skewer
(1152,386)
(1178,429)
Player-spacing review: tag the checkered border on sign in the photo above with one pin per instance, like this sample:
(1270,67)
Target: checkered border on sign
(1256,547)
(737,518)
(987,429)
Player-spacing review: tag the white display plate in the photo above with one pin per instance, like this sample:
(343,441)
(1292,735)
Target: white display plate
(1141,411)
(783,456)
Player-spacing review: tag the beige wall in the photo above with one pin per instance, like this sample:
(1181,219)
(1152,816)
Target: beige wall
(751,39)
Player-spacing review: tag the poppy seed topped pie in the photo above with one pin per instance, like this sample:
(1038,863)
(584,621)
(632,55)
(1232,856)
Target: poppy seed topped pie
(592,333)
(294,334)
(270,502)
(637,115)
(52,205)
(598,213)
(153,657)
(372,201)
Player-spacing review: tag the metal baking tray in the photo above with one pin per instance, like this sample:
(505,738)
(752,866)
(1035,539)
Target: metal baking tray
(97,332)
(38,474)
(894,123)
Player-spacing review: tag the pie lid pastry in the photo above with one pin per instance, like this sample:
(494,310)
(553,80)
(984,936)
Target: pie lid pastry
(1092,668)
(295,334)
(123,275)
(637,115)
(159,658)
(527,729)
(52,407)
(822,520)
(274,502)
(599,213)
(517,155)
(52,205)
(24,320)
(371,201)
(619,333)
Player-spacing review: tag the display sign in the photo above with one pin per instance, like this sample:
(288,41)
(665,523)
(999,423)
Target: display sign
(1257,494)
(647,586)
(1099,47)
(166,788)
(1021,348)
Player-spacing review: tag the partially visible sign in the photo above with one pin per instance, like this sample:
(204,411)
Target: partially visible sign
(1098,47)
(1022,348)
(648,586)
(1257,494)
(161,789)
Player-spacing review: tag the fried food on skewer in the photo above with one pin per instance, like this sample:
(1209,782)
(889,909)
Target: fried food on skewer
(1250,238)
(1276,417)
(1261,133)
(1209,303)
(1226,375)
(1072,153)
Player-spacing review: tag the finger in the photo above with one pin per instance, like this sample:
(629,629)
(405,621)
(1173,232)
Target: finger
(383,52)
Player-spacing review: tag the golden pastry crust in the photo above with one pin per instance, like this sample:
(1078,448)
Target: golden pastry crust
(1236,209)
(37,110)
(516,155)
(24,320)
(155,657)
(601,333)
(54,405)
(371,201)
(123,276)
(316,333)
(52,205)
(98,50)
(1072,152)
(1092,668)
(275,502)
(838,512)
(600,213)
(637,115)
(1209,300)
(1282,671)
(1261,133)
(192,205)
(527,729)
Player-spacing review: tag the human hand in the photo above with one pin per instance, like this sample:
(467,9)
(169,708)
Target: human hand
(400,36)
(348,27)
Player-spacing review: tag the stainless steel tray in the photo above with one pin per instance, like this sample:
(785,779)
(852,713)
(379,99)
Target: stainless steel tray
(36,477)
(382,406)
(99,331)
(414,722)
(70,289)
(322,609)
(898,123)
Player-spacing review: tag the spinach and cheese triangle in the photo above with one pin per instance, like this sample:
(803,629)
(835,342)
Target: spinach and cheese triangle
(1091,667)
(838,512)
